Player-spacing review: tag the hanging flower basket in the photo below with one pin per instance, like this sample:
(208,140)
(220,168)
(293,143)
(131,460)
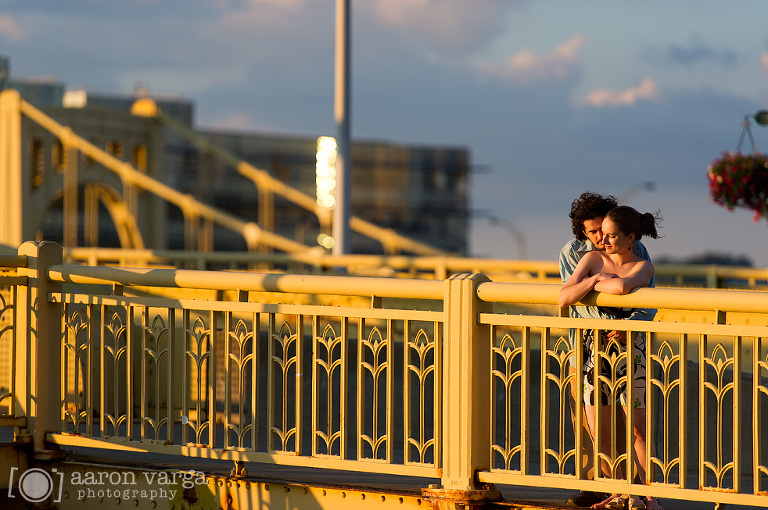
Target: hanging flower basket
(740,180)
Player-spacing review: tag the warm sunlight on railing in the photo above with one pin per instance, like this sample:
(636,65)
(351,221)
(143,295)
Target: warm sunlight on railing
(391,386)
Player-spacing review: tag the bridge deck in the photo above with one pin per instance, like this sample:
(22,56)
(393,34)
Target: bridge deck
(263,475)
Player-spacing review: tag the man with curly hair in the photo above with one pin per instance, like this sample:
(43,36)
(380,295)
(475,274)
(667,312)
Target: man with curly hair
(587,213)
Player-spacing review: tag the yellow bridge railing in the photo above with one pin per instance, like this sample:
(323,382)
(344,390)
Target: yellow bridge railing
(428,378)
(408,266)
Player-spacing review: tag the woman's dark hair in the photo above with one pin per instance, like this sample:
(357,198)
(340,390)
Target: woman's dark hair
(630,221)
(586,207)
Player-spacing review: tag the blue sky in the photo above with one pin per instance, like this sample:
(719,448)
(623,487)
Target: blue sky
(552,98)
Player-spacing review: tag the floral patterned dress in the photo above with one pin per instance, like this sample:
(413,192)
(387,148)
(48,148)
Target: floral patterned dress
(613,368)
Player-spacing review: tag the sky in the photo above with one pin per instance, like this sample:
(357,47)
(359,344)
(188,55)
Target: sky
(550,97)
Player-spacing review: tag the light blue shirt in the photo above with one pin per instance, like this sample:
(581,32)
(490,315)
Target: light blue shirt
(570,256)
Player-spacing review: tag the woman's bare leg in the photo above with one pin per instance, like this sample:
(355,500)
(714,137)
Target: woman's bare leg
(605,445)
(638,425)
(605,434)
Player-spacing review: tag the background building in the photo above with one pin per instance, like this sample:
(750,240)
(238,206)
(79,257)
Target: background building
(41,90)
(421,192)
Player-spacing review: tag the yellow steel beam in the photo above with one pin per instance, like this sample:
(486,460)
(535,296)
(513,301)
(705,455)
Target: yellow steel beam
(244,494)
(251,232)
(122,217)
(676,299)
(87,485)
(194,451)
(12,459)
(391,240)
(530,293)
(13,421)
(13,260)
(265,282)
(499,270)
(260,177)
(11,186)
(608,485)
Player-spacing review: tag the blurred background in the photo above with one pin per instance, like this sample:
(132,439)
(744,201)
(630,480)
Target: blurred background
(545,99)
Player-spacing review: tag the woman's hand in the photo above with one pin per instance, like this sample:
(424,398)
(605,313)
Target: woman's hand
(621,336)
(605,276)
(640,276)
(573,291)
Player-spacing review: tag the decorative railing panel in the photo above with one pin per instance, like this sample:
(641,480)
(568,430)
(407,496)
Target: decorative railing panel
(509,381)
(330,363)
(705,395)
(307,381)
(467,394)
(557,447)
(421,391)
(8,369)
(15,355)
(759,406)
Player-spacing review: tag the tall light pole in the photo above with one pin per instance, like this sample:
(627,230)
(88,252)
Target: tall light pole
(513,232)
(341,212)
(640,186)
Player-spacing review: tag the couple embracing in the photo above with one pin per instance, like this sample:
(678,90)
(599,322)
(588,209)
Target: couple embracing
(607,256)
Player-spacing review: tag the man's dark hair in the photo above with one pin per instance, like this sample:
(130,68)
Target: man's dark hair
(586,207)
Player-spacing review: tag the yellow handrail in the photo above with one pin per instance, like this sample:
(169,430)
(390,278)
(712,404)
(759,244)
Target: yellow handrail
(439,267)
(246,281)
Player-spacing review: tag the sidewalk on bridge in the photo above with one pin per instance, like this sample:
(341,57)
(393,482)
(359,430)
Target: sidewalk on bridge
(517,497)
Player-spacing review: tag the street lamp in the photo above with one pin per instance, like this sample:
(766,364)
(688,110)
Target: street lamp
(512,231)
(342,244)
(761,117)
(640,186)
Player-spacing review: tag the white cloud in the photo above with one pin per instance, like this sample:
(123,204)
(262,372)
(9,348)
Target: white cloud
(526,65)
(289,4)
(254,5)
(395,12)
(445,26)
(647,89)
(11,29)
(270,16)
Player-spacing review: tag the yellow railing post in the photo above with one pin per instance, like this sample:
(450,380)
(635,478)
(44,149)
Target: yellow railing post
(12,194)
(41,320)
(466,437)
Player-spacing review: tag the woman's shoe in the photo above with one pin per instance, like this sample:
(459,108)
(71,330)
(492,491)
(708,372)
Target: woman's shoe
(614,502)
(635,503)
(585,499)
(651,503)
